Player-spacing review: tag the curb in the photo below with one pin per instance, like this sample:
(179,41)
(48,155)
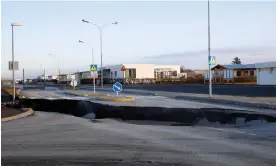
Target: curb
(116,99)
(22,115)
(68,93)
(22,97)
(95,94)
(86,95)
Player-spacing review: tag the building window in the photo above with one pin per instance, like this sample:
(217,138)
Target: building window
(245,73)
(106,73)
(174,73)
(238,73)
(252,73)
(115,74)
(130,73)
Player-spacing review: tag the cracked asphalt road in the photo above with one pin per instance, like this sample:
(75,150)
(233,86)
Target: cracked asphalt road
(58,139)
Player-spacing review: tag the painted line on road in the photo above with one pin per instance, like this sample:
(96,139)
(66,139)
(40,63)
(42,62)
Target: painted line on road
(151,97)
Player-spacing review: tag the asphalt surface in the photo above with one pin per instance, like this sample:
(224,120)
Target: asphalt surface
(234,90)
(141,100)
(58,139)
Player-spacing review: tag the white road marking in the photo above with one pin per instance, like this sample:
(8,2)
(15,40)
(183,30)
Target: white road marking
(150,97)
(167,106)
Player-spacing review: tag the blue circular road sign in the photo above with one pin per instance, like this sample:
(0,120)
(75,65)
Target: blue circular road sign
(117,87)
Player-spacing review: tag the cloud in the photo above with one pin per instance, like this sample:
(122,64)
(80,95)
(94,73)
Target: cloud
(250,51)
(198,59)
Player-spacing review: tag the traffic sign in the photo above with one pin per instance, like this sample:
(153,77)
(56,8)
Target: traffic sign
(94,74)
(117,87)
(211,60)
(16,66)
(93,67)
(123,68)
(73,83)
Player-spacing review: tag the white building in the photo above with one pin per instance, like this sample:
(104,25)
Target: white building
(66,77)
(52,77)
(41,77)
(78,76)
(141,71)
(162,71)
(266,73)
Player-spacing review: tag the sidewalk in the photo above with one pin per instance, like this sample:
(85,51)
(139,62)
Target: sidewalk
(259,102)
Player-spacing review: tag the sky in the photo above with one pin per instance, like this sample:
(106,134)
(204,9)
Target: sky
(148,32)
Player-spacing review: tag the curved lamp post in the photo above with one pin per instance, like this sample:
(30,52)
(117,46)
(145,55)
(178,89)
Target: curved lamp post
(101,43)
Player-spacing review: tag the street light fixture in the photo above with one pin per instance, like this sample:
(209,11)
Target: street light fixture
(13,25)
(58,68)
(101,43)
(80,41)
(17,24)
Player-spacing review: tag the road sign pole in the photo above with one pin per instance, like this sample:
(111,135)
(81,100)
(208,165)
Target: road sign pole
(94,86)
(44,79)
(117,94)
(209,52)
(210,81)
(93,71)
(124,74)
(23,79)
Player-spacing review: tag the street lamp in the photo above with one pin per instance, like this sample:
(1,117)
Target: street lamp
(58,68)
(80,41)
(101,43)
(13,25)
